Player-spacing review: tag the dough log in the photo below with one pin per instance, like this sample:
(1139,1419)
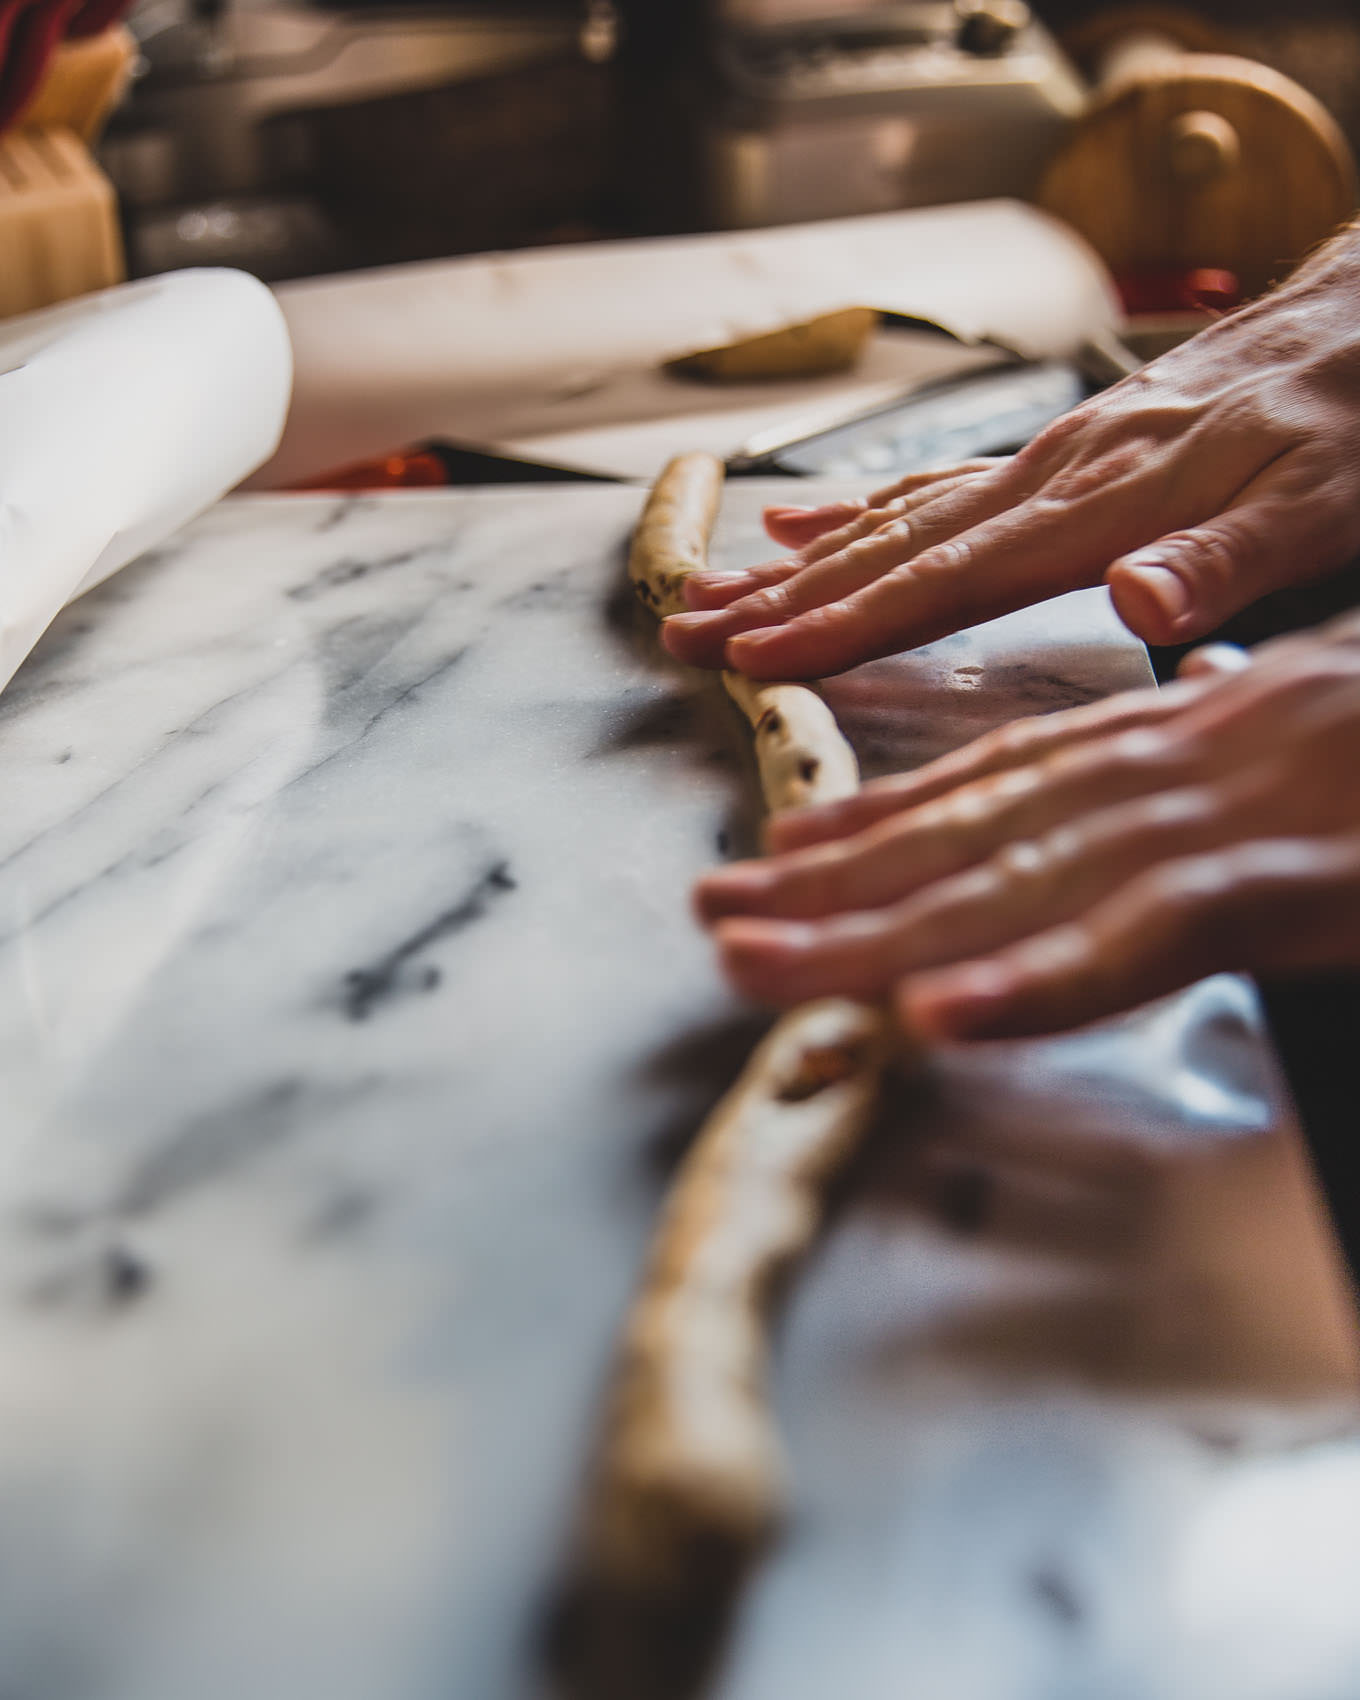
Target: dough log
(803,756)
(691,1480)
(671,540)
(690,1477)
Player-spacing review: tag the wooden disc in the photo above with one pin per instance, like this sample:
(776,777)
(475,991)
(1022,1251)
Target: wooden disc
(1219,162)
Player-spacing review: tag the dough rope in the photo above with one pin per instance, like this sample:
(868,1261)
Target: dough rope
(803,755)
(671,539)
(691,1480)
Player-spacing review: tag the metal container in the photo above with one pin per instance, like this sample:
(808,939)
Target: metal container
(824,112)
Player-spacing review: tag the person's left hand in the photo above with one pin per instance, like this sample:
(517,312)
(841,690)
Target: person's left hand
(1069,867)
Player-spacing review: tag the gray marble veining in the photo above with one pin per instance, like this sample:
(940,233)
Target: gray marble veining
(351,1020)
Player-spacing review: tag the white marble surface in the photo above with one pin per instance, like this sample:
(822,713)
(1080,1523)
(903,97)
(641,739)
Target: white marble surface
(350,1017)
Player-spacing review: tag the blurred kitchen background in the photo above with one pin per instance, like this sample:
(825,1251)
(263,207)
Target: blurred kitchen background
(292,137)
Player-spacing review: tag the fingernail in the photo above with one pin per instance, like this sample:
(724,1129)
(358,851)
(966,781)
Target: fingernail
(790,512)
(957,1003)
(741,876)
(727,588)
(749,645)
(1165,588)
(745,941)
(738,885)
(696,618)
(1214,659)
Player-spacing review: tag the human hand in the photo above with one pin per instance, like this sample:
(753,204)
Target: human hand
(1071,866)
(1223,471)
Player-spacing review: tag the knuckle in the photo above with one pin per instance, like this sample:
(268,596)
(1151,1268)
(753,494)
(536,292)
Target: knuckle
(1096,475)
(976,804)
(774,601)
(948,825)
(1061,848)
(950,557)
(1020,739)
(956,554)
(1058,434)
(1065,952)
(1214,555)
(1194,884)
(900,532)
(829,543)
(1177,813)
(1028,861)
(1153,749)
(1151,755)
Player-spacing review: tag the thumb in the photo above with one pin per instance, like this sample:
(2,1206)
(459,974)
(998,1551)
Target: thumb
(1279,531)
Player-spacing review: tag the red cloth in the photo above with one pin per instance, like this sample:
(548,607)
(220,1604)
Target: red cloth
(30,30)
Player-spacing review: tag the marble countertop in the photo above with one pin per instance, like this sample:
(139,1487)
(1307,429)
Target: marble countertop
(351,1019)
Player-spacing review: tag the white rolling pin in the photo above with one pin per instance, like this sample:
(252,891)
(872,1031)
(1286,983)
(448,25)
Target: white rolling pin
(122,415)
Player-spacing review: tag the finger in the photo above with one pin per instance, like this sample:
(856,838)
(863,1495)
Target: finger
(848,522)
(786,963)
(706,591)
(1270,906)
(709,590)
(1047,539)
(1214,660)
(923,493)
(1024,892)
(911,481)
(1304,686)
(1285,525)
(795,527)
(701,638)
(712,590)
(969,903)
(1017,745)
(931,579)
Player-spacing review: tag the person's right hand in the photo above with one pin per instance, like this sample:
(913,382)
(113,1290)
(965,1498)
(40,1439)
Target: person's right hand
(1225,470)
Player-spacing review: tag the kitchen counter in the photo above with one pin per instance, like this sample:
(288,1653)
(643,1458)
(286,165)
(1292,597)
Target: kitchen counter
(352,1019)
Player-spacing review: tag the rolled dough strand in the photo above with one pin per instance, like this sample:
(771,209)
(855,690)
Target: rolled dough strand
(671,540)
(803,755)
(690,1481)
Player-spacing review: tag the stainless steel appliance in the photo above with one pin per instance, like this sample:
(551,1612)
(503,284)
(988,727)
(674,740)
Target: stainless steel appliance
(826,108)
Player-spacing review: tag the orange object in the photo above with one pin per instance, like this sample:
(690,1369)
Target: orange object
(83,82)
(414,469)
(59,232)
(423,466)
